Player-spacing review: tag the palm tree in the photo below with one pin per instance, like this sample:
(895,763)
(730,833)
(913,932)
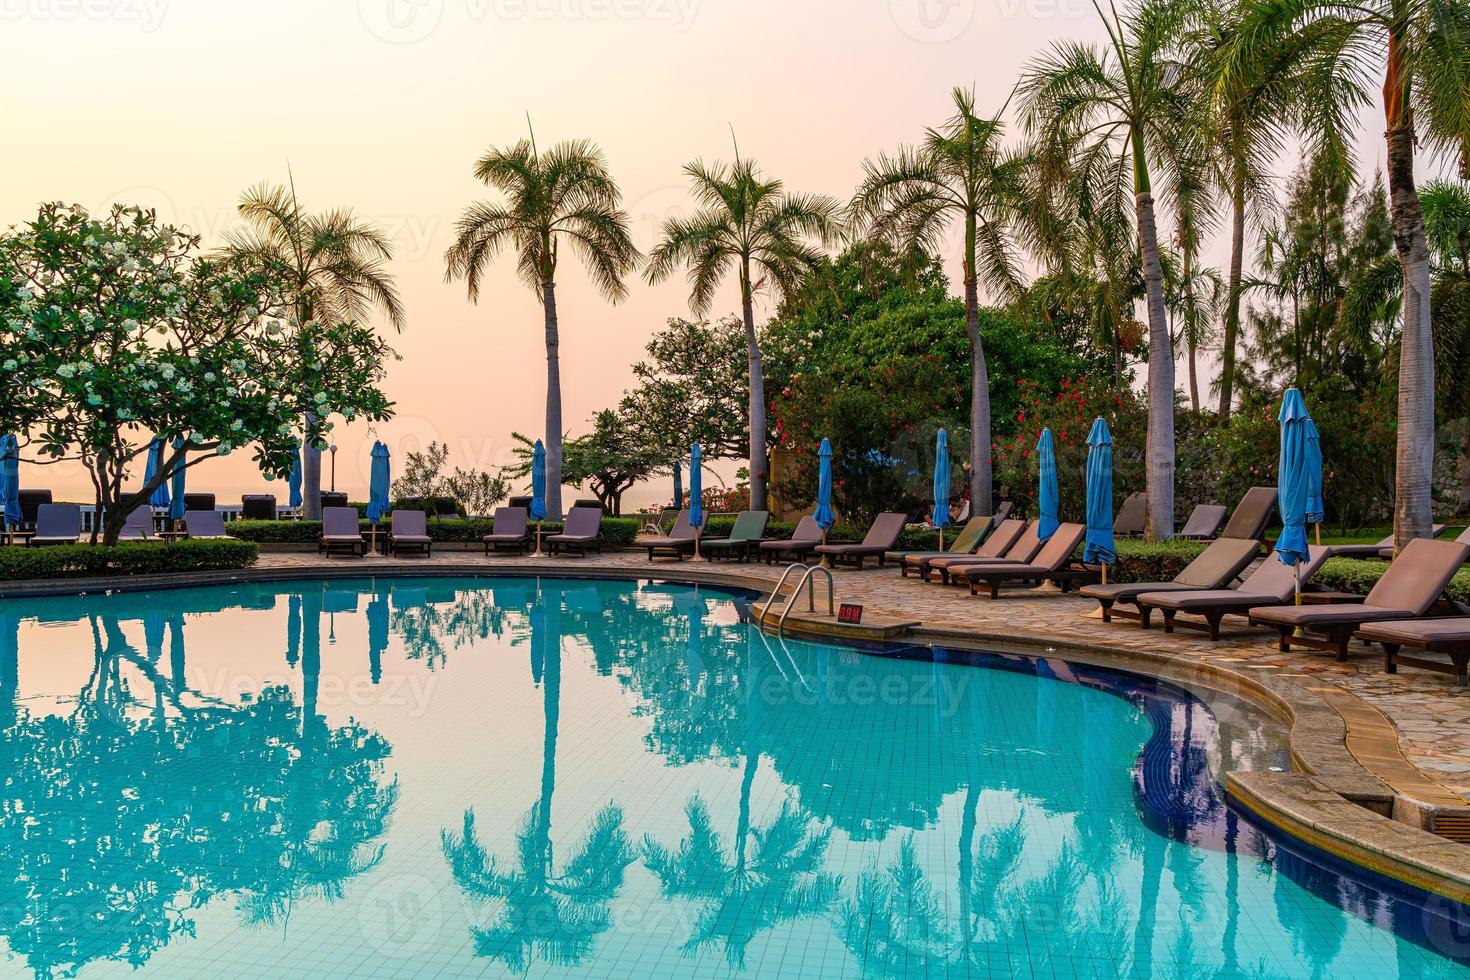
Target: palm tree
(1122,114)
(337,265)
(1423,49)
(565,195)
(960,171)
(750,222)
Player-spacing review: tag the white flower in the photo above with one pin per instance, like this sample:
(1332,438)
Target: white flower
(10,364)
(236,425)
(167,371)
(25,293)
(208,375)
(66,371)
(94,399)
(320,397)
(196,438)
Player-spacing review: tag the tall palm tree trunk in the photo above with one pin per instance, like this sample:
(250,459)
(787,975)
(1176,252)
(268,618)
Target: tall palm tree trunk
(981,476)
(553,403)
(1191,344)
(1232,296)
(1413,504)
(757,397)
(1160,476)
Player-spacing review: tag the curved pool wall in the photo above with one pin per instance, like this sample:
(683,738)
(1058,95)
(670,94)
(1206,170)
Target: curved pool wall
(327,792)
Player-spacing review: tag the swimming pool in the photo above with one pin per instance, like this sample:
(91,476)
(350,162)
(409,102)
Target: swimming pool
(420,777)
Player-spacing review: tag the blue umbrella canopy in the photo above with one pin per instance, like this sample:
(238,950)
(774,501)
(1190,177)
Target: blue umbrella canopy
(940,517)
(293,482)
(379,483)
(1048,496)
(538,482)
(1292,480)
(824,515)
(696,486)
(176,484)
(1316,505)
(1100,546)
(155,463)
(678,485)
(10,478)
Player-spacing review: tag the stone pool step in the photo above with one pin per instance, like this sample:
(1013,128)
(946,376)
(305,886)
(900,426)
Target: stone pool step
(873,628)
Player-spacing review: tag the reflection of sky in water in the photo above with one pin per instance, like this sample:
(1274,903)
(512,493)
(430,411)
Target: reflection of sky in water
(580,778)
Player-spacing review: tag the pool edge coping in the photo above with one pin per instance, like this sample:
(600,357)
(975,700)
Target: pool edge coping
(1332,801)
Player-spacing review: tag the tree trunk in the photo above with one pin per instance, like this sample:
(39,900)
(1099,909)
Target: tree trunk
(981,476)
(757,398)
(553,404)
(1160,485)
(1462,507)
(311,476)
(1413,503)
(1190,344)
(1232,297)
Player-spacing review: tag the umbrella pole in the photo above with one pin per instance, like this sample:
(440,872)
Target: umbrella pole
(697,535)
(1104,573)
(538,553)
(1318,527)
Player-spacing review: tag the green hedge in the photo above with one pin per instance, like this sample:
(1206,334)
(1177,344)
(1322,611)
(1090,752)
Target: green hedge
(1150,561)
(616,531)
(84,560)
(1359,576)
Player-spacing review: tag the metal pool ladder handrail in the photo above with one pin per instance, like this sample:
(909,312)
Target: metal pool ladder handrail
(811,602)
(780,582)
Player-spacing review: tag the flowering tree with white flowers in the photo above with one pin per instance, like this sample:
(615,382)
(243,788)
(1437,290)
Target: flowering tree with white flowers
(115,330)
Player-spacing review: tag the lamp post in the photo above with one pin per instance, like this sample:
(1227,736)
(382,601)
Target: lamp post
(333,450)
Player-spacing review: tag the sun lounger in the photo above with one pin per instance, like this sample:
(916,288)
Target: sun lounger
(1022,550)
(30,505)
(1386,551)
(965,542)
(1215,568)
(1378,549)
(198,501)
(1132,515)
(749,529)
(341,531)
(204,524)
(1449,637)
(139,525)
(258,507)
(677,543)
(798,547)
(57,524)
(581,533)
(881,537)
(1204,522)
(509,532)
(409,531)
(1053,561)
(1271,584)
(1412,583)
(1252,515)
(1002,537)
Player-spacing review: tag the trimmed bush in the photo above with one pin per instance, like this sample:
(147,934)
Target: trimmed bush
(617,532)
(1359,576)
(151,558)
(1147,561)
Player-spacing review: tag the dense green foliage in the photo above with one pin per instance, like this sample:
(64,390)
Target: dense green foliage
(152,558)
(616,531)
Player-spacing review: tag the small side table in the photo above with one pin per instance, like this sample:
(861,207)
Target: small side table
(13,537)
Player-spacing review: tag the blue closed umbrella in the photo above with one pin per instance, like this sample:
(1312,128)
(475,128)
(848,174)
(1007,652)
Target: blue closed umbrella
(824,515)
(1048,496)
(155,463)
(1100,546)
(1292,480)
(379,482)
(678,485)
(177,481)
(293,481)
(940,517)
(10,479)
(1316,505)
(696,489)
(538,482)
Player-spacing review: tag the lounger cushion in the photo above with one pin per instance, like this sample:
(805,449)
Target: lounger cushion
(1130,590)
(1425,633)
(1328,615)
(412,538)
(1185,600)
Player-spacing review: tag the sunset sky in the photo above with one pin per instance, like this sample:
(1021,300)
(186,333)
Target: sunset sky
(383,106)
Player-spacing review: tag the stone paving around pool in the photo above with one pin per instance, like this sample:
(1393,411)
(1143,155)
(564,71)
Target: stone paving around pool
(1430,715)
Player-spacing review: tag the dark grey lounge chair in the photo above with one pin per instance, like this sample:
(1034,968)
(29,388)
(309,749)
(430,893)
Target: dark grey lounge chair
(1204,522)
(57,524)
(409,531)
(1252,515)
(1132,515)
(1271,584)
(806,537)
(1022,550)
(258,507)
(749,530)
(198,501)
(139,525)
(1054,561)
(581,533)
(510,532)
(969,537)
(30,505)
(676,544)
(882,535)
(1215,568)
(1385,547)
(1449,637)
(1002,537)
(1412,583)
(204,524)
(341,531)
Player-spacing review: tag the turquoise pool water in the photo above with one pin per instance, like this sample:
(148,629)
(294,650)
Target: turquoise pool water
(426,777)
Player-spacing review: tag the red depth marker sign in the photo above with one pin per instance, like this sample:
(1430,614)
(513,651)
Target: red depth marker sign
(848,613)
